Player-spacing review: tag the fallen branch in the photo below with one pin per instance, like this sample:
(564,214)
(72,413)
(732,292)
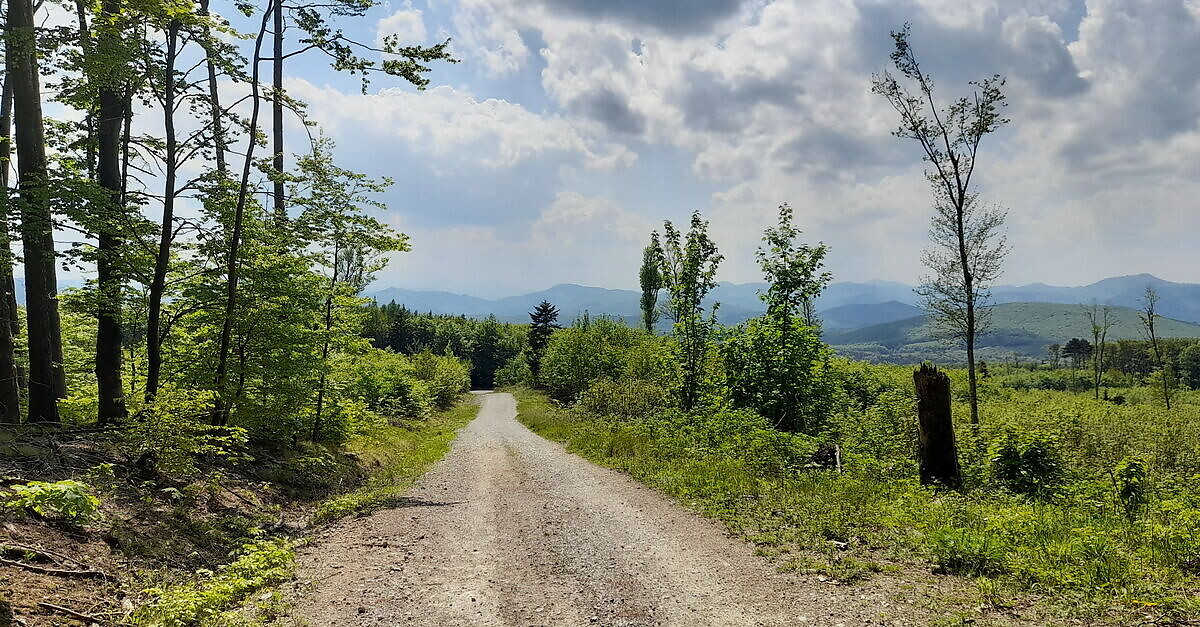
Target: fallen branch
(54,571)
(87,618)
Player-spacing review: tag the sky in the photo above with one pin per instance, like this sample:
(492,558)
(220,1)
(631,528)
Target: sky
(572,128)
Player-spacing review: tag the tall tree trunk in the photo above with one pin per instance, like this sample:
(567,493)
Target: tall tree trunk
(969,288)
(111,391)
(277,112)
(162,260)
(220,415)
(10,391)
(214,98)
(47,381)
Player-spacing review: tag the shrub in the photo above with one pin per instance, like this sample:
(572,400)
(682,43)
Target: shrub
(446,378)
(1026,465)
(625,399)
(387,382)
(781,369)
(261,564)
(70,501)
(174,432)
(594,349)
(515,372)
(1131,478)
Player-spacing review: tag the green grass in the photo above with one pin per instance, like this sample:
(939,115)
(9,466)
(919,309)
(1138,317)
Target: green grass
(398,455)
(1076,552)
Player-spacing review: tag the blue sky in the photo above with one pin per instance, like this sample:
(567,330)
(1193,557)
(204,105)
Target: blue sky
(573,127)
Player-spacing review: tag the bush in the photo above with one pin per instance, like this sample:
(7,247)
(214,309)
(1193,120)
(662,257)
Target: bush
(173,430)
(625,399)
(1026,465)
(70,501)
(387,382)
(515,372)
(594,349)
(260,565)
(782,371)
(446,378)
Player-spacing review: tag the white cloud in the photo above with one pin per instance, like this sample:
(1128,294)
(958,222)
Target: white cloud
(453,125)
(407,24)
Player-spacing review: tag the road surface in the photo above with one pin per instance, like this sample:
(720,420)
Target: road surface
(511,530)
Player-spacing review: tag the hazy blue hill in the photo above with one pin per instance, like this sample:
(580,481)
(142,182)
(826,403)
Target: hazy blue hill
(845,306)
(1022,328)
(436,302)
(859,316)
(1178,300)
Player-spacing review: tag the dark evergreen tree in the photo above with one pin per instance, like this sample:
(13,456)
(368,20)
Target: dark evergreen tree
(542,323)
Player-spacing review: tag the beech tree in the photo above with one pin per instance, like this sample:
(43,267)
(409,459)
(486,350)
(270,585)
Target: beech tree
(47,380)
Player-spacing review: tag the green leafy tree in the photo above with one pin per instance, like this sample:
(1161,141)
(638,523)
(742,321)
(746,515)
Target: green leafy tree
(777,364)
(542,323)
(689,272)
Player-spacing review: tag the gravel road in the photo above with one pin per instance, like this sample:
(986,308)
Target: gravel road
(510,529)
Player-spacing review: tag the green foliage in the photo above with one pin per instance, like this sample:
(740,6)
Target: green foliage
(1131,477)
(779,367)
(516,372)
(1027,464)
(213,597)
(446,378)
(594,349)
(69,501)
(174,433)
(625,399)
(688,266)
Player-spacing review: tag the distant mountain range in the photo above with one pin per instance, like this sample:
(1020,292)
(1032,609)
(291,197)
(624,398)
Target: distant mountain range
(1023,329)
(878,320)
(843,305)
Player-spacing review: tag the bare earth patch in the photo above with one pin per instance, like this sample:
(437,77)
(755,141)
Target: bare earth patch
(510,529)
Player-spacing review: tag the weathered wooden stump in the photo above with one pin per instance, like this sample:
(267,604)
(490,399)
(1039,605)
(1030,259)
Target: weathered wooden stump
(936,448)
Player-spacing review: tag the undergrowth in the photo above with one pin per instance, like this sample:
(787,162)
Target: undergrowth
(397,455)
(1098,549)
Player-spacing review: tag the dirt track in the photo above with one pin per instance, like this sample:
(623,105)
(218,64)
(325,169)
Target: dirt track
(509,529)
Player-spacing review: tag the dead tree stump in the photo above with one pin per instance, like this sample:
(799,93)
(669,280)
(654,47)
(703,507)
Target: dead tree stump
(936,449)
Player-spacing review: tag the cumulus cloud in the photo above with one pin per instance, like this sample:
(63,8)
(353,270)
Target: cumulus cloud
(452,124)
(406,24)
(769,101)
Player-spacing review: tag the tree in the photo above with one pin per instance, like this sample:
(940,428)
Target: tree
(47,380)
(968,247)
(777,364)
(1147,316)
(1078,350)
(541,327)
(1053,354)
(689,270)
(1101,320)
(792,271)
(114,60)
(651,280)
(341,238)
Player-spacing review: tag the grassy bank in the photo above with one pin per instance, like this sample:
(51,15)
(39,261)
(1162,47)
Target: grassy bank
(1074,552)
(396,456)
